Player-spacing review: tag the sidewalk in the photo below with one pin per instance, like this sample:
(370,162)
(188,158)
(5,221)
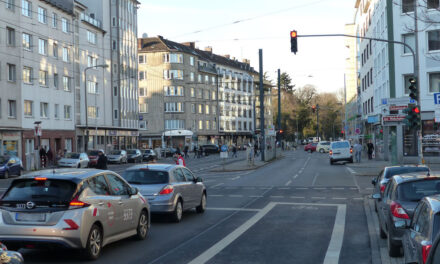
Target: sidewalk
(368,167)
(242,165)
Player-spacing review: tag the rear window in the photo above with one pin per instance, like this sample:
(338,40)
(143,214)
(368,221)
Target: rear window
(414,191)
(396,171)
(340,145)
(72,155)
(40,191)
(131,151)
(144,176)
(93,153)
(115,152)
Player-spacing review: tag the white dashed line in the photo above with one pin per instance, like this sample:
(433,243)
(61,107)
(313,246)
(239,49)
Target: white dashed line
(339,198)
(283,188)
(338,188)
(297,197)
(255,196)
(275,196)
(216,195)
(296,176)
(351,170)
(318,197)
(217,185)
(235,178)
(319,188)
(234,209)
(288,183)
(302,188)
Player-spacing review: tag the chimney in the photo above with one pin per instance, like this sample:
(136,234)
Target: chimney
(246,61)
(233,58)
(140,42)
(227,56)
(208,49)
(189,44)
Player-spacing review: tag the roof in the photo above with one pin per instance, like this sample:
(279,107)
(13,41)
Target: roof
(408,177)
(156,166)
(64,5)
(75,175)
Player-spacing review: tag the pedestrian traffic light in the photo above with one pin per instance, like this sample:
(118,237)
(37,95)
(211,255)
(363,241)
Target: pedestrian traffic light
(293,41)
(412,119)
(413,89)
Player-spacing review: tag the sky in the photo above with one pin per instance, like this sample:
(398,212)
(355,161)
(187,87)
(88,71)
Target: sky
(241,27)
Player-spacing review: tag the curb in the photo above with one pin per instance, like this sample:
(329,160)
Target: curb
(248,169)
(374,242)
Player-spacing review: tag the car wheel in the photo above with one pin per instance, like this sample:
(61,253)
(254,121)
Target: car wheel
(143,226)
(177,213)
(202,207)
(79,166)
(94,243)
(393,249)
(321,150)
(6,175)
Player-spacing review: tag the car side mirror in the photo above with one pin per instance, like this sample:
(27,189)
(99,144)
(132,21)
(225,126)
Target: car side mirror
(374,181)
(376,196)
(134,191)
(199,179)
(401,224)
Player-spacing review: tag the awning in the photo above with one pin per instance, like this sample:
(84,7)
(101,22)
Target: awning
(178,133)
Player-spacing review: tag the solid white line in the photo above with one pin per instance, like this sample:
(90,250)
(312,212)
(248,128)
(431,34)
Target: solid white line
(302,188)
(288,182)
(276,196)
(216,195)
(217,185)
(335,245)
(314,179)
(339,198)
(297,197)
(233,209)
(222,244)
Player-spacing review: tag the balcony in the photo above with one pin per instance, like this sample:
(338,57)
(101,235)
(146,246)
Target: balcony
(207,68)
(91,20)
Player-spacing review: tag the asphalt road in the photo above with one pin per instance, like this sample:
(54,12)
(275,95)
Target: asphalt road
(299,209)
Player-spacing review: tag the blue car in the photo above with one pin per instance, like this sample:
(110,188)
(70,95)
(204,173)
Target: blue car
(10,165)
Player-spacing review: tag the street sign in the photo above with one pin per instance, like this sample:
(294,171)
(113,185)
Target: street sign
(358,131)
(223,155)
(224,148)
(398,107)
(393,118)
(38,131)
(384,101)
(436,98)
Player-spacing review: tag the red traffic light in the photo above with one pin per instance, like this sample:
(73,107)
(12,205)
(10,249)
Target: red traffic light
(293,34)
(281,131)
(342,131)
(416,110)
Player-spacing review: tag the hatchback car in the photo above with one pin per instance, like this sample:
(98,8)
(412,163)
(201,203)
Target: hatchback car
(168,152)
(117,156)
(425,227)
(10,165)
(134,155)
(148,155)
(74,160)
(311,147)
(170,189)
(323,146)
(83,209)
(93,157)
(211,148)
(402,193)
(340,151)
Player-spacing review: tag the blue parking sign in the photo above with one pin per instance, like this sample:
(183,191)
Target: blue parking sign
(437,98)
(224,148)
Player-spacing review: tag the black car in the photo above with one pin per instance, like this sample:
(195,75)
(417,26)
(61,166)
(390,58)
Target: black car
(384,176)
(168,152)
(210,148)
(402,193)
(10,165)
(148,155)
(134,155)
(421,234)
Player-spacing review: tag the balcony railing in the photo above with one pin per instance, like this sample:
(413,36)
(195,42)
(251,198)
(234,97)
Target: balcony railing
(91,20)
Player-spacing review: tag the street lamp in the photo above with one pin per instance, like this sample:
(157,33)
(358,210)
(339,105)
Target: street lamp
(86,139)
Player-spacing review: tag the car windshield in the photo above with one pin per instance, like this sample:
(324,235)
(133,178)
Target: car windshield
(40,191)
(416,190)
(93,153)
(340,145)
(132,151)
(72,155)
(115,152)
(3,159)
(145,176)
(396,171)
(147,151)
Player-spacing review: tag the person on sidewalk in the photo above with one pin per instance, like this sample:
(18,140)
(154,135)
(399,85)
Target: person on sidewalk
(358,152)
(234,151)
(180,160)
(102,161)
(370,148)
(195,151)
(250,155)
(49,157)
(185,151)
(42,153)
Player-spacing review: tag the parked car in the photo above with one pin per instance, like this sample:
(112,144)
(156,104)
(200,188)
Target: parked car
(402,193)
(10,165)
(93,157)
(211,148)
(385,175)
(340,151)
(134,155)
(74,160)
(168,152)
(170,189)
(311,147)
(117,156)
(149,154)
(323,146)
(420,236)
(434,251)
(71,208)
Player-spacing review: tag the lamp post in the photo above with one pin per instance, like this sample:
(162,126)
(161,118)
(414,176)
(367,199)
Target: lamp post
(86,138)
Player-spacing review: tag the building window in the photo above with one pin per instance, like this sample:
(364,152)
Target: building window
(213,95)
(200,124)
(44,110)
(91,37)
(408,39)
(207,125)
(434,82)
(43,78)
(65,25)
(213,80)
(115,91)
(10,4)
(433,4)
(12,75)
(199,93)
(191,60)
(142,75)
(206,79)
(92,87)
(27,75)
(214,110)
(55,50)
(66,83)
(55,80)
(199,78)
(12,109)
(173,91)
(42,46)
(27,41)
(26,8)
(91,61)
(407,6)
(173,74)
(193,92)
(193,108)
(174,107)
(142,91)
(200,109)
(174,124)
(142,59)
(115,113)
(143,125)
(42,15)
(207,108)
(173,58)
(434,40)
(65,54)
(114,44)
(143,108)
(56,111)
(54,20)
(28,108)
(92,112)
(191,75)
(11,36)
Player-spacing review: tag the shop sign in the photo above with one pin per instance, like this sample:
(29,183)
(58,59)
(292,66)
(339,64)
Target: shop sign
(394,118)
(398,107)
(38,131)
(373,119)
(436,98)
(358,131)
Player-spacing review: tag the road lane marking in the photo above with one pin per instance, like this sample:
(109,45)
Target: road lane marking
(276,196)
(216,195)
(233,209)
(296,176)
(217,185)
(339,188)
(314,179)
(283,188)
(249,188)
(353,188)
(318,197)
(358,198)
(369,188)
(297,197)
(302,188)
(319,188)
(339,198)
(231,188)
(335,245)
(288,182)
(235,178)
(256,196)
(351,170)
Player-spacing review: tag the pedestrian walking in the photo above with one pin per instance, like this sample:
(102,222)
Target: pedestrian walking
(180,160)
(102,161)
(358,152)
(234,151)
(200,152)
(256,150)
(49,155)
(250,155)
(370,148)
(185,151)
(195,151)
(42,153)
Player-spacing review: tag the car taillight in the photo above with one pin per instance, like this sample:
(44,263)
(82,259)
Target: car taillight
(398,211)
(72,225)
(166,190)
(75,204)
(425,252)
(351,150)
(330,152)
(382,188)
(40,178)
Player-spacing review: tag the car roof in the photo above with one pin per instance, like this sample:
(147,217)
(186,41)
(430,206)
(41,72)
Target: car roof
(407,177)
(75,175)
(155,166)
(434,202)
(405,166)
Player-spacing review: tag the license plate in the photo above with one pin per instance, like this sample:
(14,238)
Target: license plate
(24,217)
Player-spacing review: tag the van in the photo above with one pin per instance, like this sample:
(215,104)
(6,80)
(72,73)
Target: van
(340,151)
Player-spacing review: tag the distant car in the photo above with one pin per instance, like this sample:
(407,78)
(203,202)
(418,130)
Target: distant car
(402,193)
(168,152)
(78,209)
(148,155)
(170,189)
(311,147)
(134,155)
(10,165)
(340,151)
(420,236)
(93,157)
(74,160)
(385,175)
(323,146)
(211,148)
(117,156)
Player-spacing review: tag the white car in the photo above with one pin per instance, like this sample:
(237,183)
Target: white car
(74,160)
(340,151)
(323,146)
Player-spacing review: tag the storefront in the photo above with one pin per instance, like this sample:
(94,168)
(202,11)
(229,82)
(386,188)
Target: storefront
(178,138)
(10,142)
(107,139)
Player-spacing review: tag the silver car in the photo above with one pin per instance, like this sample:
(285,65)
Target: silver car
(170,189)
(117,156)
(74,160)
(84,209)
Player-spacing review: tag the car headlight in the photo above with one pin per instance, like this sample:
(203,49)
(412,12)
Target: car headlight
(2,167)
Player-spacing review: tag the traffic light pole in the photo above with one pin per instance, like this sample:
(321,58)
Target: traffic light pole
(263,138)
(317,122)
(415,70)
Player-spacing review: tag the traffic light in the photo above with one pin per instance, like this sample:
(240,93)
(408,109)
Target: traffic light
(293,41)
(413,89)
(313,108)
(412,119)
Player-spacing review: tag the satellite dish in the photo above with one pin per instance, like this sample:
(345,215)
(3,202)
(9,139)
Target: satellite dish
(144,35)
